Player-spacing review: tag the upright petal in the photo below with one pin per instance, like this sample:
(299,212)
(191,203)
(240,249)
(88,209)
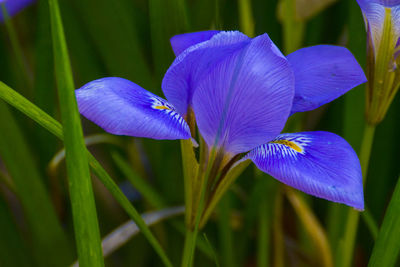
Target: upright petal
(321,164)
(122,107)
(245,99)
(187,69)
(374,13)
(322,74)
(181,42)
(14,6)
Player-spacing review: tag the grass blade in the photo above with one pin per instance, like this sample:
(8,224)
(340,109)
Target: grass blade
(26,80)
(128,230)
(139,183)
(43,89)
(225,232)
(387,246)
(246,17)
(38,115)
(13,251)
(87,234)
(312,226)
(48,239)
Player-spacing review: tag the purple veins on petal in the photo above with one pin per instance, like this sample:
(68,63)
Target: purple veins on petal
(246,98)
(122,107)
(183,41)
(374,13)
(321,164)
(186,71)
(322,74)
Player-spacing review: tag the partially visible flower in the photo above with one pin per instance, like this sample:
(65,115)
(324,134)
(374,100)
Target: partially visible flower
(13,6)
(382,21)
(241,92)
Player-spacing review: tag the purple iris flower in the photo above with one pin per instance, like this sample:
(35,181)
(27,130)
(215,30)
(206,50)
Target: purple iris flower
(241,91)
(14,6)
(382,21)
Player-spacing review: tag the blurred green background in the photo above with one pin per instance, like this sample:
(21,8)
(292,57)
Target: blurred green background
(130,39)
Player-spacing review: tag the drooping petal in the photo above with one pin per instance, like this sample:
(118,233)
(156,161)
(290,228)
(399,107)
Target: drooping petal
(187,69)
(14,6)
(122,107)
(321,164)
(322,74)
(245,99)
(183,41)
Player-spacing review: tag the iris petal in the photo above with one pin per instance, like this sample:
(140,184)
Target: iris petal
(14,6)
(321,164)
(122,107)
(374,12)
(246,98)
(322,74)
(183,41)
(187,69)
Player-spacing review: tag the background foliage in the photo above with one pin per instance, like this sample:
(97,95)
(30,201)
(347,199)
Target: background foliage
(130,39)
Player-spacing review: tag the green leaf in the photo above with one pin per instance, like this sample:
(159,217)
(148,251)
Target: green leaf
(228,180)
(162,27)
(48,239)
(387,246)
(190,168)
(87,234)
(125,232)
(44,93)
(227,248)
(120,49)
(35,113)
(13,251)
(246,17)
(139,183)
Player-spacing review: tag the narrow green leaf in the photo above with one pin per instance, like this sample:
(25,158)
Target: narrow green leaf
(264,192)
(293,29)
(44,93)
(89,141)
(387,246)
(312,226)
(139,183)
(162,27)
(35,113)
(13,250)
(87,234)
(26,81)
(264,224)
(190,168)
(370,222)
(121,49)
(246,17)
(214,254)
(85,58)
(225,232)
(125,232)
(48,239)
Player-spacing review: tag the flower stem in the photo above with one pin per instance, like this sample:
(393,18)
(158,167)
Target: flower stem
(190,237)
(192,230)
(366,147)
(346,247)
